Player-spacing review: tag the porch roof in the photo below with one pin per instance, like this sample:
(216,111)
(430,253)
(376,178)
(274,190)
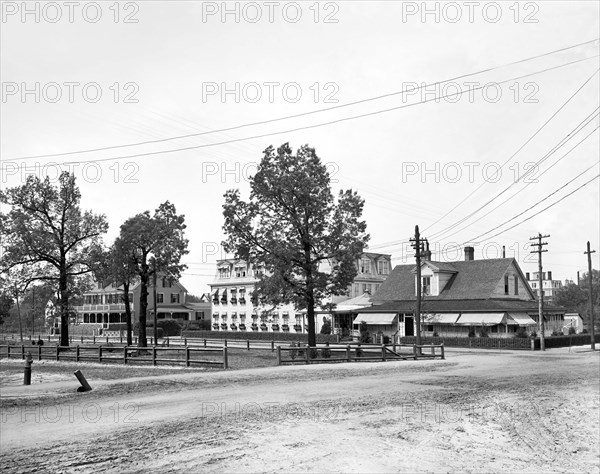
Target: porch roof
(375,318)
(478,319)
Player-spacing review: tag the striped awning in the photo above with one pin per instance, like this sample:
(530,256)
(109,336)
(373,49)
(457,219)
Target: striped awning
(520,319)
(375,318)
(481,319)
(441,318)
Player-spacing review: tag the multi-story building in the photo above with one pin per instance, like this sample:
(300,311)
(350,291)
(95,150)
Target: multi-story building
(234,310)
(549,286)
(103,305)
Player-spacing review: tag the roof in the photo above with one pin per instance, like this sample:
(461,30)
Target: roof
(460,305)
(472,279)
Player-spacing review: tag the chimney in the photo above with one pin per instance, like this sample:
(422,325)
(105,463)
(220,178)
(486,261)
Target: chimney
(549,275)
(427,252)
(469,253)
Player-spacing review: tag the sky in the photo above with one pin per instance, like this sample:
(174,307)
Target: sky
(433,111)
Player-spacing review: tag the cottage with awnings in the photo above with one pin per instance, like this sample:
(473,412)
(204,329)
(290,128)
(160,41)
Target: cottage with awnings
(470,297)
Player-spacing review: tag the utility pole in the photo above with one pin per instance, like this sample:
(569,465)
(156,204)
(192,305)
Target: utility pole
(33,312)
(417,244)
(539,251)
(591,299)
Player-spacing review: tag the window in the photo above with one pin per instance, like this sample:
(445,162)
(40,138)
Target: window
(426,285)
(224,272)
(365,265)
(167,282)
(366,288)
(174,297)
(240,272)
(516,285)
(506,284)
(160,297)
(383,267)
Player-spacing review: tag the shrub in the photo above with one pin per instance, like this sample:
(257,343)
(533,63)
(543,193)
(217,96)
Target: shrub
(584,331)
(471,332)
(359,352)
(326,328)
(313,353)
(294,353)
(386,339)
(170,327)
(556,333)
(484,332)
(533,333)
(572,330)
(325,352)
(521,333)
(435,334)
(365,337)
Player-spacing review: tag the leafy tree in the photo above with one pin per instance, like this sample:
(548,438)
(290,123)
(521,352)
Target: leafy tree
(154,244)
(326,328)
(575,298)
(46,231)
(6,303)
(292,227)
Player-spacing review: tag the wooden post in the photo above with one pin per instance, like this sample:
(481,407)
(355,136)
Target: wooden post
(532,344)
(167,341)
(57,353)
(153,355)
(415,351)
(185,341)
(278,355)
(225,361)
(22,351)
(77,353)
(224,342)
(125,355)
(82,338)
(93,338)
(442,349)
(383,352)
(187,356)
(205,343)
(432,350)
(39,352)
(71,339)
(306,355)
(248,344)
(100,353)
(348,353)
(121,337)
(85,386)
(273,346)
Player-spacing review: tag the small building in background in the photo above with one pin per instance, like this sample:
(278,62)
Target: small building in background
(573,320)
(549,286)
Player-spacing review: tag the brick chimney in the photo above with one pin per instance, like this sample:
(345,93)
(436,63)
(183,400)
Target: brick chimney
(427,252)
(469,253)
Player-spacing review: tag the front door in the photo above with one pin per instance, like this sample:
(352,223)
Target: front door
(409,326)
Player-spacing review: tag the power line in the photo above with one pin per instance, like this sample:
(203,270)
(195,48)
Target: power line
(325,109)
(437,234)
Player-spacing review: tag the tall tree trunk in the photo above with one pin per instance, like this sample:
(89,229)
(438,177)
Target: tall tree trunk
(127,312)
(155,308)
(142,342)
(64,308)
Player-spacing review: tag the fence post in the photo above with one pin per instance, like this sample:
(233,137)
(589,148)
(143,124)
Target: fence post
(187,356)
(532,344)
(225,361)
(185,341)
(82,338)
(442,349)
(383,352)
(432,350)
(224,342)
(153,355)
(22,351)
(125,355)
(248,344)
(348,353)
(204,343)
(8,351)
(121,337)
(77,353)
(167,341)
(100,353)
(57,353)
(272,346)
(306,355)
(70,339)
(94,338)
(415,351)
(39,352)
(107,339)
(278,355)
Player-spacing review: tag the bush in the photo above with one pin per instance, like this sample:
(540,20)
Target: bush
(435,334)
(556,333)
(533,333)
(326,328)
(471,332)
(326,353)
(365,337)
(572,330)
(484,332)
(521,333)
(584,331)
(386,339)
(170,327)
(313,353)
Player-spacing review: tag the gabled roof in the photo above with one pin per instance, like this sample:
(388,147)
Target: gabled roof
(473,279)
(462,305)
(438,266)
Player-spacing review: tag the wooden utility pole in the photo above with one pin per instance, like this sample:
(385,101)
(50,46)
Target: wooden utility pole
(417,244)
(591,297)
(539,251)
(155,308)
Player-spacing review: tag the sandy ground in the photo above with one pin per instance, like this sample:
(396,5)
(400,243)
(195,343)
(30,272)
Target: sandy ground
(477,411)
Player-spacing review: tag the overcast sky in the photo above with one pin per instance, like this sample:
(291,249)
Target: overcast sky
(82,75)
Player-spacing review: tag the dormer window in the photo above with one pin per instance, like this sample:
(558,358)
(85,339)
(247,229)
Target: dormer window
(240,272)
(224,272)
(383,267)
(365,265)
(426,285)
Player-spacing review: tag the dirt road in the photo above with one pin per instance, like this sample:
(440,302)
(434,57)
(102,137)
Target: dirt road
(474,412)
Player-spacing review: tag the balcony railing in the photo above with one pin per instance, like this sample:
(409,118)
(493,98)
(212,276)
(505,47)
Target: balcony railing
(102,307)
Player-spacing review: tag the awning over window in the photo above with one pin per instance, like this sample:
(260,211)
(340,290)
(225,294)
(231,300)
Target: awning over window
(375,318)
(520,319)
(441,318)
(479,319)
